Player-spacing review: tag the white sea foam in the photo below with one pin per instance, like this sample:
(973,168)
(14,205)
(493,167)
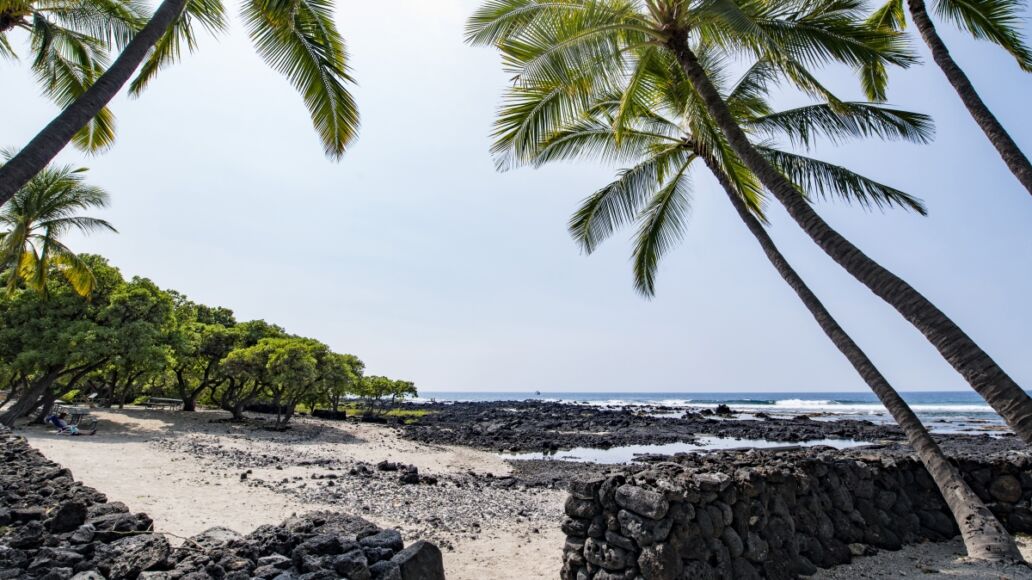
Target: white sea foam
(797,406)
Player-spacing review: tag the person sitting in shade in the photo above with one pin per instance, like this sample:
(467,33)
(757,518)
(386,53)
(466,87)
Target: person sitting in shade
(63,428)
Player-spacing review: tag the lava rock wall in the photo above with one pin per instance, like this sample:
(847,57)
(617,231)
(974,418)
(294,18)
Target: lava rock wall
(770,514)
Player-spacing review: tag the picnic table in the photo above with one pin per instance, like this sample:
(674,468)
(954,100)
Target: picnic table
(75,413)
(161,403)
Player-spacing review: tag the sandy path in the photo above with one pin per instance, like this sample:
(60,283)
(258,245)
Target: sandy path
(131,460)
(928,561)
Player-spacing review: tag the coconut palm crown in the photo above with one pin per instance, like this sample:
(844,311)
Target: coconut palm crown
(36,219)
(575,51)
(659,127)
(298,38)
(69,42)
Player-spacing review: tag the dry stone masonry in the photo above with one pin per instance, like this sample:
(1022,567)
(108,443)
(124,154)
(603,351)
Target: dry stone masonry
(770,514)
(54,528)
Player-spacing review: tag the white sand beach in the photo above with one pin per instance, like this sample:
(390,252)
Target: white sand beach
(162,463)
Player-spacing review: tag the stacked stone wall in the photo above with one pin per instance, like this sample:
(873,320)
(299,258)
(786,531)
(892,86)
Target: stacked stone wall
(770,514)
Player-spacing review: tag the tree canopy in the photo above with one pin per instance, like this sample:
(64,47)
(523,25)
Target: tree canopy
(130,338)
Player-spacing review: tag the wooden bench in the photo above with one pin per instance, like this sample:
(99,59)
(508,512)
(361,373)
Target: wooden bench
(160,403)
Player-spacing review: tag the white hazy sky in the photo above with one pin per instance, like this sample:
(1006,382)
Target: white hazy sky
(415,254)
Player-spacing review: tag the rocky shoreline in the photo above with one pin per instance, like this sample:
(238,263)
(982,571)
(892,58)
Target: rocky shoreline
(54,528)
(549,426)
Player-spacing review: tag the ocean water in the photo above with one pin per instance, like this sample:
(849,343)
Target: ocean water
(628,453)
(941,411)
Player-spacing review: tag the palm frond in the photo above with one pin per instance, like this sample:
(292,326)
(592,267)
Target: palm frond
(110,21)
(595,139)
(497,20)
(85,225)
(827,180)
(67,63)
(299,39)
(169,48)
(72,267)
(998,21)
(749,97)
(661,225)
(529,117)
(618,203)
(6,50)
(891,16)
(38,215)
(853,120)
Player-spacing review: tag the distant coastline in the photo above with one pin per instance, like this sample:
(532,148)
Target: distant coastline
(942,411)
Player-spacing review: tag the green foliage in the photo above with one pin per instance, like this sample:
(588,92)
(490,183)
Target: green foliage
(603,80)
(130,339)
(297,38)
(409,415)
(69,41)
(380,394)
(997,21)
(36,219)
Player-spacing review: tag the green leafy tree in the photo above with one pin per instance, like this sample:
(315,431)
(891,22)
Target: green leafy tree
(36,220)
(340,375)
(298,38)
(995,21)
(69,42)
(53,343)
(201,339)
(295,367)
(285,371)
(244,368)
(381,394)
(657,125)
(579,50)
(141,317)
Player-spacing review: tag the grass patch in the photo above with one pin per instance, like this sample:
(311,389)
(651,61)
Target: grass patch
(354,410)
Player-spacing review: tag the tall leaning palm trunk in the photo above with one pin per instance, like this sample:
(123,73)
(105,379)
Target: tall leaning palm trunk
(973,363)
(984,537)
(59,132)
(1012,155)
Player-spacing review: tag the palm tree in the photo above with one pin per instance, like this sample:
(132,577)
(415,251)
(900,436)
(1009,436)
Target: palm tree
(36,219)
(69,42)
(296,37)
(994,20)
(578,49)
(657,124)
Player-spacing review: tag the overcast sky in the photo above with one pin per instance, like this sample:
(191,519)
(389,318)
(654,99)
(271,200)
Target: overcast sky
(416,255)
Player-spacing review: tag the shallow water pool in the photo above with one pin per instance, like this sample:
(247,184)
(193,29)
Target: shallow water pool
(627,453)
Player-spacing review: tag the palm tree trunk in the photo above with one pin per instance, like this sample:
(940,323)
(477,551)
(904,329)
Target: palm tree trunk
(974,364)
(53,138)
(984,537)
(991,126)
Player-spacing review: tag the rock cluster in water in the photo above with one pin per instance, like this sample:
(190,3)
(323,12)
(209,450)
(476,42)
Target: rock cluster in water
(548,426)
(54,528)
(766,514)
